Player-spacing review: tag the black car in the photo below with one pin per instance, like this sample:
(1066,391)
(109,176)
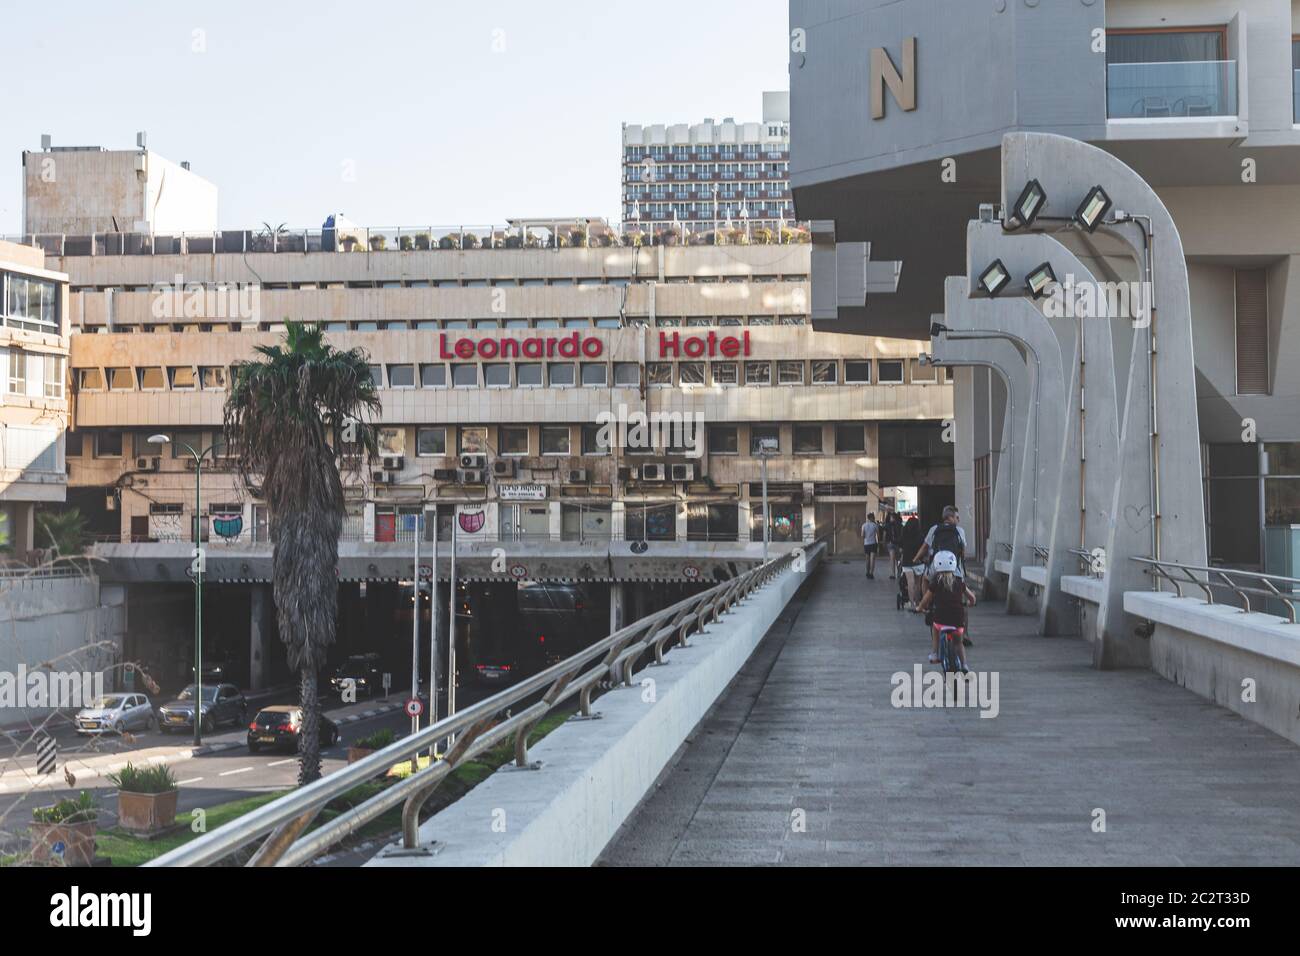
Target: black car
(221,704)
(278,727)
(364,669)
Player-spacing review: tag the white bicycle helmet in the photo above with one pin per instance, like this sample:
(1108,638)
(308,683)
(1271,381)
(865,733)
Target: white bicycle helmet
(944,562)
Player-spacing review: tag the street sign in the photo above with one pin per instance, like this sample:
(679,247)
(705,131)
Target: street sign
(47,755)
(414,708)
(388,682)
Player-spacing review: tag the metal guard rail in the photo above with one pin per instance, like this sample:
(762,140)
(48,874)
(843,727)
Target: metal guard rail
(474,729)
(1168,570)
(1088,561)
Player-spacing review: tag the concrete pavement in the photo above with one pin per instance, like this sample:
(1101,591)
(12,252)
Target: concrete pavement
(805,760)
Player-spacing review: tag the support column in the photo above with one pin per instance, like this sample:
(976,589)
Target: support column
(617,615)
(259,633)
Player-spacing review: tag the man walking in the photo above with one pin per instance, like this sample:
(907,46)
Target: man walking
(871,543)
(947,535)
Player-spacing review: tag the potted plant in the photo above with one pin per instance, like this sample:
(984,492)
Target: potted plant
(65,831)
(146,799)
(422,240)
(368,745)
(378,243)
(471,241)
(406,243)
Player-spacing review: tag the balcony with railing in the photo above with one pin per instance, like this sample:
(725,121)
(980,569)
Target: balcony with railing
(1186,90)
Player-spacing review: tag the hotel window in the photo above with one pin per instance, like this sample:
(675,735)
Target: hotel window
(724,373)
(922,373)
(150,377)
(650,522)
(31,303)
(464,375)
(212,376)
(792,320)
(690,373)
(724,440)
(364,327)
(334,326)
(433,376)
(430,441)
(473,440)
(516,323)
(376,375)
(90,379)
(512,439)
(455,324)
(592,436)
(181,376)
(18,372)
(579,323)
(555,439)
(825,372)
(609,323)
(119,379)
(659,373)
(496,374)
(528,374)
(1252,331)
(758,373)
(546,324)
(595,373)
(177,444)
(560,374)
(891,371)
(696,323)
(486,324)
(1160,72)
(807,439)
(627,374)
(391,441)
(850,439)
(762,320)
(760,433)
(729,320)
(72,444)
(108,444)
(401,376)
(712,522)
(789,373)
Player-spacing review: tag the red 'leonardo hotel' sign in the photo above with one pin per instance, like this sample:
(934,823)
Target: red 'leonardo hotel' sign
(575,345)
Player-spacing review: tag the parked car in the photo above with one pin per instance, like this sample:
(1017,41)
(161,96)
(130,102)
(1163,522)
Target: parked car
(114,713)
(278,727)
(364,669)
(221,704)
(218,666)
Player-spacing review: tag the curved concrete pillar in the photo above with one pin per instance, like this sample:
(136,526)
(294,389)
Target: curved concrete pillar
(1090,438)
(1019,321)
(1003,357)
(1156,504)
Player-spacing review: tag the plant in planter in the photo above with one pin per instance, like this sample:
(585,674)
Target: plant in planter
(65,831)
(406,243)
(146,798)
(449,242)
(378,243)
(422,240)
(368,745)
(470,242)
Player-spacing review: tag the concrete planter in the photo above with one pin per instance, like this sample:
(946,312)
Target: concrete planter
(358,753)
(146,812)
(73,843)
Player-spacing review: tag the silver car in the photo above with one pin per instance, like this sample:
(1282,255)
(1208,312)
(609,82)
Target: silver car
(114,713)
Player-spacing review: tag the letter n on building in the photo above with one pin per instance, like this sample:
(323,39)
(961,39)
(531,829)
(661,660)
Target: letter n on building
(883,73)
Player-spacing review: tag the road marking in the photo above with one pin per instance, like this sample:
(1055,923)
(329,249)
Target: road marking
(280,763)
(181,783)
(232,772)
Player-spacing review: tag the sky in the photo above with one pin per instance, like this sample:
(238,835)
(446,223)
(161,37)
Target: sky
(390,112)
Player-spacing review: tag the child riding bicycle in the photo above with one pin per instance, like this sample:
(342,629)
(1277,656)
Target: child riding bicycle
(946,599)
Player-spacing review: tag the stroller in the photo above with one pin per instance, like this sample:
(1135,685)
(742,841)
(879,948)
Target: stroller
(911,585)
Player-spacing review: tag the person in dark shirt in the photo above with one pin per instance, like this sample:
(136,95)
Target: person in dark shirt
(946,598)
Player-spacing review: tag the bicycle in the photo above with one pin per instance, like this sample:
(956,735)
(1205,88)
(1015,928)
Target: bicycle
(949,638)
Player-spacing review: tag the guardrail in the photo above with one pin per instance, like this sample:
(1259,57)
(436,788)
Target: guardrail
(1040,554)
(473,730)
(1240,583)
(1088,561)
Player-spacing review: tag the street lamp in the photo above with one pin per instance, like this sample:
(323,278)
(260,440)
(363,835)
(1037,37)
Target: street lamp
(767,447)
(198,457)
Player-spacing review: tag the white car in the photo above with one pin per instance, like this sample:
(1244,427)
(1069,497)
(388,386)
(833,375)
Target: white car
(114,713)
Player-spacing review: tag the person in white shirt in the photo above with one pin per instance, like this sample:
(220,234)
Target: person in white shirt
(871,543)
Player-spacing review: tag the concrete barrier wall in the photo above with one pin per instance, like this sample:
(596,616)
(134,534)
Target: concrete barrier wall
(594,773)
(1249,663)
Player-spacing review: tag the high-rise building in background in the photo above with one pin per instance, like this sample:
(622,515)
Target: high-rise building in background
(726,177)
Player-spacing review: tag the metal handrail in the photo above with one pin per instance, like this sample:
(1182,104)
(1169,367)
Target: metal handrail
(1039,552)
(1089,562)
(1169,570)
(475,730)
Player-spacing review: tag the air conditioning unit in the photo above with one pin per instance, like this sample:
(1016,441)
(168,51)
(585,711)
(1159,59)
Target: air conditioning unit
(148,463)
(444,474)
(683,472)
(468,460)
(577,476)
(503,468)
(381,478)
(394,462)
(654,471)
(470,476)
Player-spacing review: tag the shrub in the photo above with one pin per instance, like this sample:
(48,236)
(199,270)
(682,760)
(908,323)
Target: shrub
(376,741)
(81,810)
(157,778)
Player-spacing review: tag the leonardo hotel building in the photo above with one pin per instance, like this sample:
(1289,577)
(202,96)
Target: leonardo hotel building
(506,359)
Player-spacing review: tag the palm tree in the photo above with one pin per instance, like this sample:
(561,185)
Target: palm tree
(280,413)
(63,531)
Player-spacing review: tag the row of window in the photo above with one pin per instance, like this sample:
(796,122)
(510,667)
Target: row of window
(705,153)
(28,303)
(433,325)
(32,372)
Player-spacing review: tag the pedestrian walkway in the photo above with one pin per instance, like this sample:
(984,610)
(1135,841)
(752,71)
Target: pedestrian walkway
(807,732)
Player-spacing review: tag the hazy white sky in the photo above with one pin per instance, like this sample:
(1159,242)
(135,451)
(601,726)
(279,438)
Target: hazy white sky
(448,113)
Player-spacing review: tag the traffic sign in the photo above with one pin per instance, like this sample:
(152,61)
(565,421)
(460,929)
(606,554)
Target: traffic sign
(414,708)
